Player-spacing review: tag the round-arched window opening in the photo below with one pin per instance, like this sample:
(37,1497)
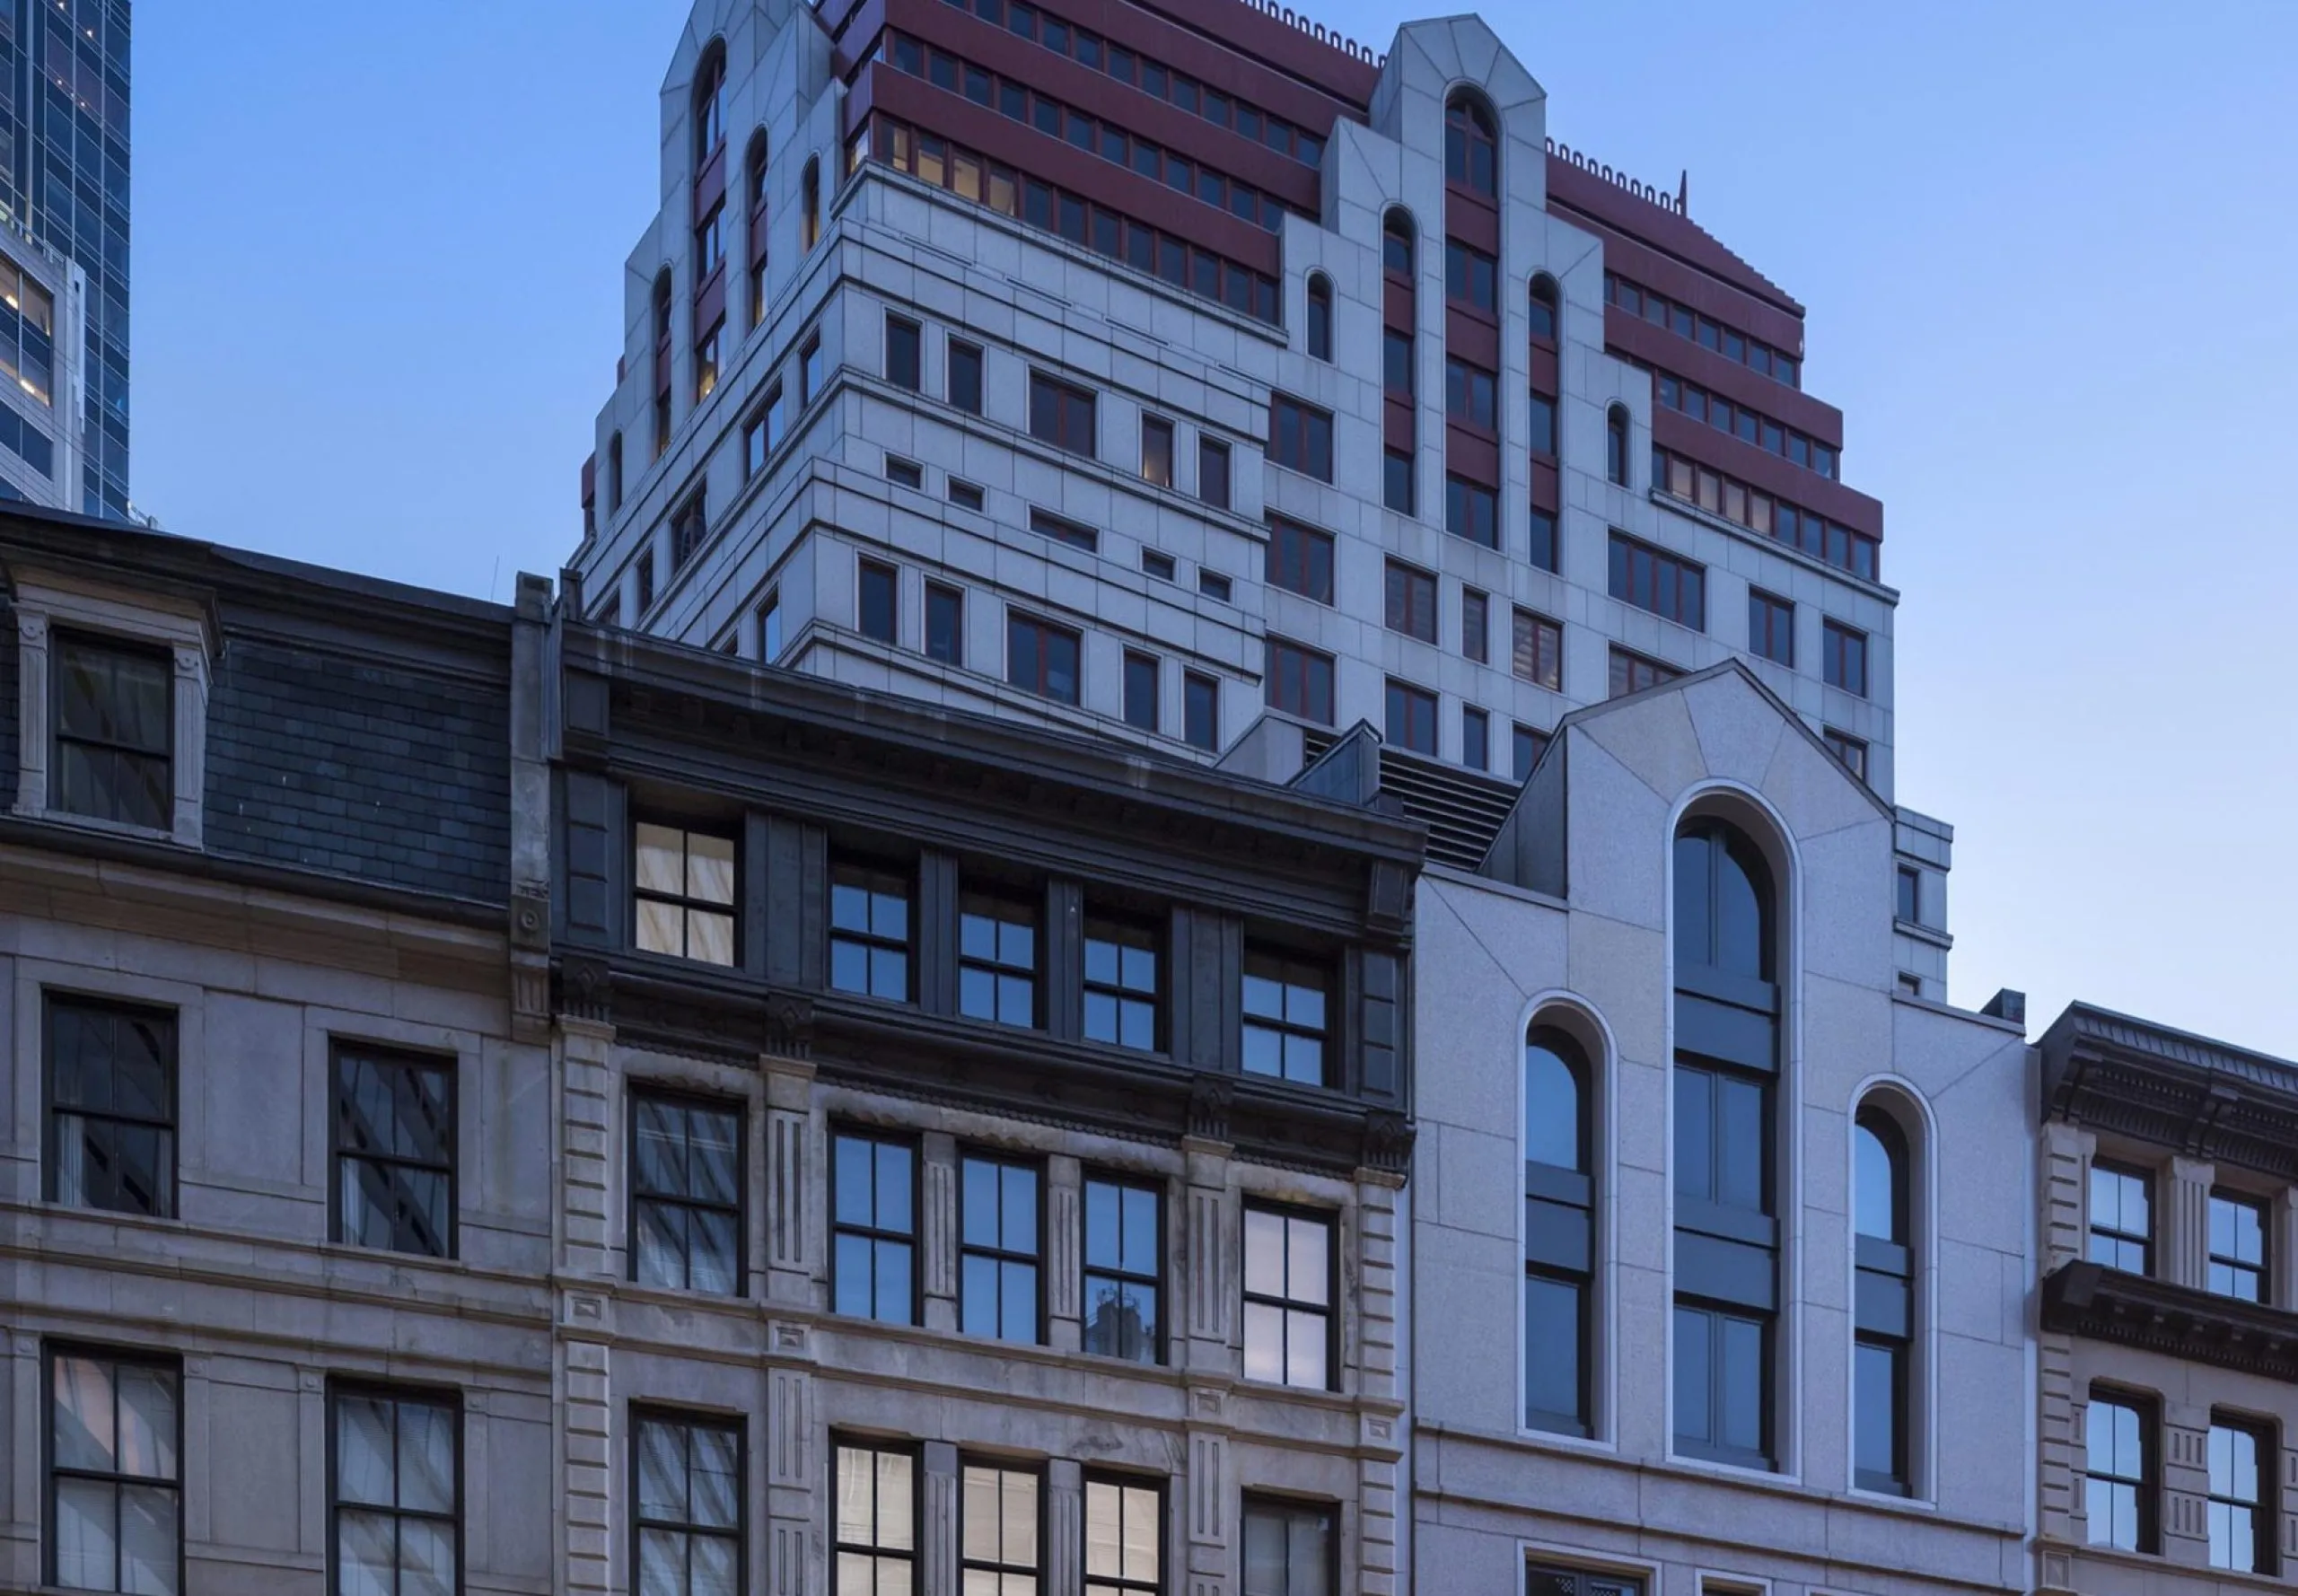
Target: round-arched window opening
(1723,902)
(1556,1100)
(1472,145)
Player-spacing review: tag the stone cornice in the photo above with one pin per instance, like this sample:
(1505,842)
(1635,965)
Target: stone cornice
(2172,1088)
(2087,1299)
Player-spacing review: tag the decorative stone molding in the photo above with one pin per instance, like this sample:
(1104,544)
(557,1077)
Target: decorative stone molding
(2085,1299)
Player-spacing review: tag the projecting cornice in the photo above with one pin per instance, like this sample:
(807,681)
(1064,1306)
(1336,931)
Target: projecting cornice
(2172,1089)
(2090,1300)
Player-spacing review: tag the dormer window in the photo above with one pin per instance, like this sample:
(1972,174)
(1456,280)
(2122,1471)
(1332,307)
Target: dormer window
(114,744)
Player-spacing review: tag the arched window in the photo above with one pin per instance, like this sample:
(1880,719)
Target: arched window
(1883,1307)
(1472,145)
(710,103)
(614,473)
(1543,305)
(661,363)
(1559,1234)
(809,203)
(754,234)
(1396,244)
(1616,444)
(1726,1223)
(1319,316)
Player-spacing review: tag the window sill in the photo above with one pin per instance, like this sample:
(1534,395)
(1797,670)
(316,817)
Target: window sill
(99,827)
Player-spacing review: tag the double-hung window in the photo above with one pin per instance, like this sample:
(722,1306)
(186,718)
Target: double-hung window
(1288,1549)
(997,958)
(394,1135)
(2122,1218)
(873,1223)
(2120,1470)
(1288,1296)
(1284,1023)
(1125,1537)
(1124,1270)
(874,1547)
(397,1495)
(1120,983)
(869,931)
(687,1474)
(2242,1508)
(2238,1237)
(683,893)
(115,1472)
(1001,1543)
(111,1093)
(686,1193)
(999,1224)
(115,744)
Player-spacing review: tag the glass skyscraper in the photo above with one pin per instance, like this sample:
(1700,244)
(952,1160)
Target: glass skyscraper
(64,180)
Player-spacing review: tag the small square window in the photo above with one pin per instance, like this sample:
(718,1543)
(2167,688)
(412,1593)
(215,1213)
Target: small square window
(1157,563)
(1214,585)
(904,473)
(966,495)
(682,886)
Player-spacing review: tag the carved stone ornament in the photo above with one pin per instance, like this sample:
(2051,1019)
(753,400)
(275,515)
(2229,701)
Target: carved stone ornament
(1209,1100)
(585,988)
(1388,1141)
(789,1026)
(530,915)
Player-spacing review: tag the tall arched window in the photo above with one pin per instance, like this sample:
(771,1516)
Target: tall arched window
(1559,1234)
(614,473)
(1400,312)
(1396,244)
(1319,316)
(1727,1227)
(1883,1310)
(1616,444)
(754,237)
(661,363)
(710,103)
(809,203)
(1544,303)
(1472,145)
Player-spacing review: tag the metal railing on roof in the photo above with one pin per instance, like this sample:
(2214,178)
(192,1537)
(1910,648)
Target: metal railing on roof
(1679,203)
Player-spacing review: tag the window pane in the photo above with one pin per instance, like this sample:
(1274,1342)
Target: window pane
(1552,1348)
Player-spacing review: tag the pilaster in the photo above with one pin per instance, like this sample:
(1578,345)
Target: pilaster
(1064,1250)
(2066,1168)
(937,1242)
(587,1160)
(32,700)
(2186,1483)
(796,1521)
(796,1184)
(937,1552)
(2184,1227)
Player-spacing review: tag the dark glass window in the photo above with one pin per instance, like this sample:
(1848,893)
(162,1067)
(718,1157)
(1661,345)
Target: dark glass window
(687,1508)
(1045,523)
(1536,649)
(115,1472)
(2122,1218)
(1300,559)
(1849,750)
(1471,511)
(115,712)
(1722,903)
(1884,1305)
(2119,1468)
(869,931)
(1633,672)
(1396,362)
(1120,984)
(1124,1270)
(706,350)
(1288,1296)
(1320,318)
(965,376)
(1616,444)
(710,106)
(1411,717)
(1471,394)
(1288,1549)
(1061,414)
(1470,276)
(1844,656)
(1541,435)
(1543,308)
(1668,586)
(1041,658)
(1476,634)
(1528,743)
(688,529)
(998,1220)
(1141,691)
(875,1544)
(1723,1385)
(1396,244)
(1213,471)
(1157,451)
(1125,1537)
(1559,1230)
(1299,437)
(1542,547)
(686,1194)
(1284,1023)
(1471,146)
(2238,1237)
(111,1093)
(1001,1543)
(1395,481)
(1201,712)
(398,1491)
(682,888)
(997,958)
(966,495)
(809,372)
(1910,907)
(1475,738)
(945,637)
(1411,602)
(877,613)
(873,1227)
(2242,1511)
(1771,628)
(1299,682)
(902,363)
(394,1137)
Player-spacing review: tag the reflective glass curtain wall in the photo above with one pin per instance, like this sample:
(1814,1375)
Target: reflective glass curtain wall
(64,179)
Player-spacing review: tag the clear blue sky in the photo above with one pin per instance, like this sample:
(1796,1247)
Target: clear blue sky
(2046,250)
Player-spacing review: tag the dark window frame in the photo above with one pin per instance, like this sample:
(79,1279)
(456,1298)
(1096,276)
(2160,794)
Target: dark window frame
(1060,409)
(1213,467)
(877,1137)
(1560,1240)
(1285,1305)
(340,1388)
(1409,599)
(1123,1482)
(871,875)
(964,355)
(2264,1507)
(2146,1485)
(1120,1273)
(53,1472)
(875,1447)
(2116,1238)
(1316,673)
(53,1109)
(640,1089)
(344,1049)
(1300,436)
(997,1253)
(1043,631)
(689,1420)
(1198,687)
(2260,1271)
(1002,906)
(63,642)
(1885,1301)
(939,597)
(1841,648)
(1299,559)
(867,571)
(1289,1511)
(1418,734)
(904,353)
(1319,316)
(1136,662)
(1540,629)
(686,906)
(1289,963)
(1771,628)
(1037,1570)
(1648,577)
